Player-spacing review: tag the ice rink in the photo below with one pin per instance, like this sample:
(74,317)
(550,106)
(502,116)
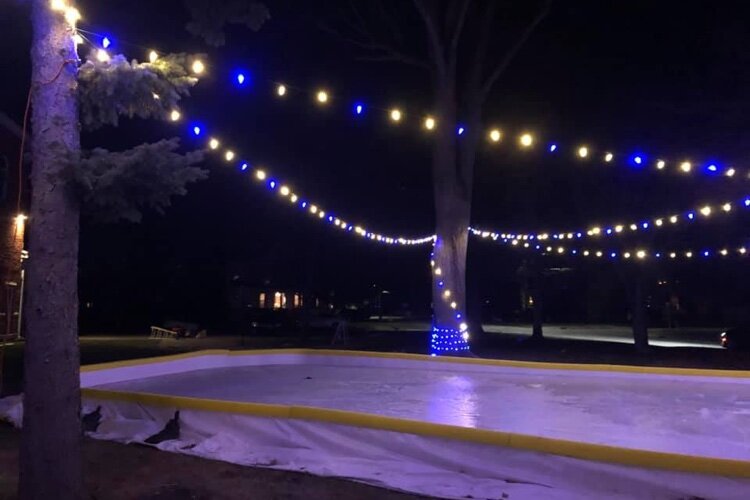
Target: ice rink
(677,416)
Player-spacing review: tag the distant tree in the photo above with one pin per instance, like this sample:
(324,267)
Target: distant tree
(458,35)
(112,185)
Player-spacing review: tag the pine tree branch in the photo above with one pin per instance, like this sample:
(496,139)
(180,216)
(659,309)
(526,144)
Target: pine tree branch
(511,54)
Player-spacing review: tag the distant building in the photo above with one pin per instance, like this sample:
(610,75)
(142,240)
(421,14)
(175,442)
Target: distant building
(12,232)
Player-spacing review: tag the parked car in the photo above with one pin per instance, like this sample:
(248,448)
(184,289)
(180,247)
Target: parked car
(736,338)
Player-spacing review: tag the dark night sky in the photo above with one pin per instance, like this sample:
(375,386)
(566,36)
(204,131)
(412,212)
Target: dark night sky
(663,78)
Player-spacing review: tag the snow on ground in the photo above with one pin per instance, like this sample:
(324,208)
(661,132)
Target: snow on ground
(695,417)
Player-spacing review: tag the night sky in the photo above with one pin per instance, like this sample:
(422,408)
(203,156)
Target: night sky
(664,79)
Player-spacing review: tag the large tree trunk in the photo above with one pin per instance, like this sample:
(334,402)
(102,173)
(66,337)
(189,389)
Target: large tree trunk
(452,213)
(50,459)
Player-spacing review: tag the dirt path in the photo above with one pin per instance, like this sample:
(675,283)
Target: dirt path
(116,471)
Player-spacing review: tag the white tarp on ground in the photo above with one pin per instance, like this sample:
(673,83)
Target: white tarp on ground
(692,415)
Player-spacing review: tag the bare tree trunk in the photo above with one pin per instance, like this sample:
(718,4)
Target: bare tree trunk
(640,320)
(50,458)
(452,212)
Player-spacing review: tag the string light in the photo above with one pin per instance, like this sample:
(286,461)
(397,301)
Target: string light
(583,151)
(495,135)
(153,56)
(660,164)
(198,67)
(643,254)
(526,140)
(317,211)
(359,108)
(72,16)
(281,90)
(396,115)
(175,115)
(58,5)
(106,42)
(322,96)
(608,157)
(102,56)
(429,123)
(614,229)
(686,166)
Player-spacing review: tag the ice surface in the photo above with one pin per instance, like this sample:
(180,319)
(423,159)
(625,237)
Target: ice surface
(678,416)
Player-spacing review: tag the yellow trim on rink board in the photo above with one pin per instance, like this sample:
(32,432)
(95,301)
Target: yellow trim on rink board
(572,449)
(648,370)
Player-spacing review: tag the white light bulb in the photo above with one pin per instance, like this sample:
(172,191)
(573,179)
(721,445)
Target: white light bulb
(660,164)
(731,172)
(153,56)
(429,123)
(322,96)
(281,90)
(583,151)
(72,16)
(438,271)
(641,254)
(686,166)
(608,157)
(58,5)
(284,190)
(658,222)
(395,115)
(213,143)
(526,140)
(673,219)
(293,198)
(495,135)
(453,305)
(260,175)
(102,56)
(618,229)
(706,211)
(175,115)
(198,67)
(313,209)
(726,207)
(229,155)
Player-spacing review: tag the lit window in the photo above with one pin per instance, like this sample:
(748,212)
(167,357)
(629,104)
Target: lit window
(262,300)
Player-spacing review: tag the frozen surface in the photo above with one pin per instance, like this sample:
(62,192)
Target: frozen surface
(679,416)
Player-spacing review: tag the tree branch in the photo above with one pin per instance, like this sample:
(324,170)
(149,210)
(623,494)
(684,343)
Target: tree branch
(436,47)
(380,49)
(505,62)
(457,29)
(379,52)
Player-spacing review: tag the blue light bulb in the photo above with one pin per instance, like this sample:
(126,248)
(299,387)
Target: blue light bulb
(106,42)
(552,148)
(241,78)
(359,108)
(196,130)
